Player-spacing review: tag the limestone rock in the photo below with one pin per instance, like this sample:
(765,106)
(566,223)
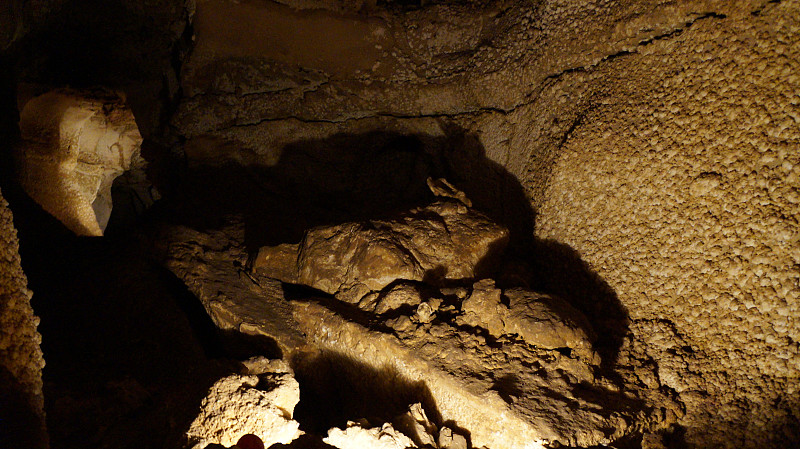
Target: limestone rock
(74,144)
(238,405)
(416,425)
(441,188)
(238,302)
(540,320)
(547,322)
(443,241)
(507,395)
(358,436)
(451,440)
(396,296)
(21,362)
(483,308)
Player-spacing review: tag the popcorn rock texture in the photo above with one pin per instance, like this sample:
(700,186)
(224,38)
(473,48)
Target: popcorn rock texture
(260,404)
(355,437)
(680,186)
(21,361)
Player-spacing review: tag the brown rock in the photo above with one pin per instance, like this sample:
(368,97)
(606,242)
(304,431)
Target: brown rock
(443,241)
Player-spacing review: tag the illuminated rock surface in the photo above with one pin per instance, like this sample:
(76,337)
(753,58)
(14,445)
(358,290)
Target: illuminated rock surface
(260,403)
(21,362)
(440,242)
(356,436)
(74,144)
(642,156)
(513,368)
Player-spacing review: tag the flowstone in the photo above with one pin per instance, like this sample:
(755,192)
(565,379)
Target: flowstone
(412,304)
(443,241)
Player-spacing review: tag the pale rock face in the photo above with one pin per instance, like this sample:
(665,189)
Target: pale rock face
(355,436)
(74,144)
(443,241)
(238,405)
(409,430)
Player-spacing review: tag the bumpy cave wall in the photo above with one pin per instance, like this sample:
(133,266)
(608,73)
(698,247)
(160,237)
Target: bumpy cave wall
(679,186)
(653,142)
(21,362)
(656,142)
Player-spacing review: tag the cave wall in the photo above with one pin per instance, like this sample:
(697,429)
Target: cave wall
(680,187)
(655,141)
(21,361)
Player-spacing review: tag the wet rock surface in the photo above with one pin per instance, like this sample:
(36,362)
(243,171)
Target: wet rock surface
(511,367)
(442,242)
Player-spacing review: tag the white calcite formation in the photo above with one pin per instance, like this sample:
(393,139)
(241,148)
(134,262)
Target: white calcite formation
(410,430)
(260,403)
(360,436)
(74,144)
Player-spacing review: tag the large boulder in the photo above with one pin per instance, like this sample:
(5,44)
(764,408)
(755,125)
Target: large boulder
(443,241)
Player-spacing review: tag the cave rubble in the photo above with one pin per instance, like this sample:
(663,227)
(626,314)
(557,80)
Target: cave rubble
(642,157)
(259,403)
(512,367)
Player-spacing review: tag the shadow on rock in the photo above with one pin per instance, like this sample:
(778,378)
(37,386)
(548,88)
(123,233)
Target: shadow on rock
(560,271)
(356,177)
(336,388)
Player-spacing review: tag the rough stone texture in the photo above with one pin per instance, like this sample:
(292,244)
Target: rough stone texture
(655,143)
(356,436)
(440,242)
(260,403)
(212,267)
(514,368)
(416,424)
(539,320)
(409,430)
(74,144)
(680,189)
(21,361)
(505,393)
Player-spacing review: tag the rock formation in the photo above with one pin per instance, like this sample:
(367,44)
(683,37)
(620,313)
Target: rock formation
(356,436)
(74,145)
(513,367)
(259,403)
(636,160)
(22,412)
(440,242)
